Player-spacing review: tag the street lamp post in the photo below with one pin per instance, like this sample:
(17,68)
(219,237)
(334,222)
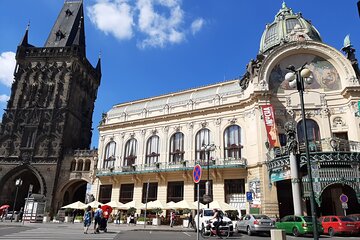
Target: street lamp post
(207,148)
(297,78)
(18,183)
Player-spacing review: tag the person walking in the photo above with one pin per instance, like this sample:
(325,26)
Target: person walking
(172,219)
(191,221)
(21,213)
(87,219)
(97,219)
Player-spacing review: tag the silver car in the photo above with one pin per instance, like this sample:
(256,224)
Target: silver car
(255,223)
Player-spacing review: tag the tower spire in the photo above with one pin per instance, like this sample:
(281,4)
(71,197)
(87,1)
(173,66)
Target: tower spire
(98,65)
(24,42)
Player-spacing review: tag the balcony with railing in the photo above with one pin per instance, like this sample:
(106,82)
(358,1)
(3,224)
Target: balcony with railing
(184,165)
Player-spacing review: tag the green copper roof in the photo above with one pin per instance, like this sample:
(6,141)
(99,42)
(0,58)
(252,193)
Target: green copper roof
(287,27)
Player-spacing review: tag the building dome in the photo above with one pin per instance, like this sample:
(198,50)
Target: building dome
(287,27)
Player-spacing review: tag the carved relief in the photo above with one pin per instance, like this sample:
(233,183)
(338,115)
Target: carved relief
(338,122)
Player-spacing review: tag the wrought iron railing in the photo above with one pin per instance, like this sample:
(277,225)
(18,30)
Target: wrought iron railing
(324,145)
(169,166)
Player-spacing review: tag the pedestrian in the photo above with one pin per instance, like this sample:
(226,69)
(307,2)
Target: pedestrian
(97,219)
(117,217)
(74,213)
(87,219)
(191,221)
(172,218)
(21,213)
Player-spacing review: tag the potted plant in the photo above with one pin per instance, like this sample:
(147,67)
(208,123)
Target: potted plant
(183,162)
(142,220)
(68,213)
(156,220)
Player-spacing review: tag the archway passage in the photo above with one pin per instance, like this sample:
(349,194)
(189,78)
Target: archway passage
(75,191)
(331,204)
(8,190)
(285,199)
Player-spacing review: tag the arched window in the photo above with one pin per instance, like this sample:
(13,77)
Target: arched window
(232,142)
(176,148)
(152,150)
(80,165)
(130,152)
(202,139)
(87,165)
(313,135)
(109,158)
(73,165)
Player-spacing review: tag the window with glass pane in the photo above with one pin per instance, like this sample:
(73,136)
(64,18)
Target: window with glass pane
(177,148)
(175,191)
(234,186)
(152,150)
(232,142)
(202,139)
(313,134)
(109,158)
(126,193)
(105,193)
(152,194)
(202,190)
(130,152)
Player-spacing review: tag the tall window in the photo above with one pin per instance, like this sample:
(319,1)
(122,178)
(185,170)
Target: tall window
(175,191)
(152,194)
(152,150)
(130,152)
(313,134)
(202,138)
(109,158)
(177,148)
(232,142)
(105,193)
(126,193)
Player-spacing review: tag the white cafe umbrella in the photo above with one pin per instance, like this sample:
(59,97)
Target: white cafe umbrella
(184,205)
(76,205)
(221,205)
(134,203)
(155,204)
(94,204)
(116,205)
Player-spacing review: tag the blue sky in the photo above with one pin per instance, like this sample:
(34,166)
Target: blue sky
(153,47)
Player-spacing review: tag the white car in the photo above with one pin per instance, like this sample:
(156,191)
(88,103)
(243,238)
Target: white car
(206,214)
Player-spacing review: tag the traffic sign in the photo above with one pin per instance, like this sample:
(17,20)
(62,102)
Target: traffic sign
(249,196)
(344,198)
(344,205)
(197,173)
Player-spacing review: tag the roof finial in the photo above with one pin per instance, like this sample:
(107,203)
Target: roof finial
(347,42)
(284,4)
(99,54)
(28,26)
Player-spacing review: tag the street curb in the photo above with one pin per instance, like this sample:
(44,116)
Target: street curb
(161,230)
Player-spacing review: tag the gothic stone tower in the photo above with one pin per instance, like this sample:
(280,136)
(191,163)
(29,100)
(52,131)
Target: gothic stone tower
(50,109)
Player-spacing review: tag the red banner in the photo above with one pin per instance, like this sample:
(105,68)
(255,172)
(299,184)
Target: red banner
(271,129)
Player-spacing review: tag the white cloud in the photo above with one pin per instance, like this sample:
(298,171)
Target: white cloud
(4,98)
(154,23)
(7,66)
(197,25)
(114,17)
(158,28)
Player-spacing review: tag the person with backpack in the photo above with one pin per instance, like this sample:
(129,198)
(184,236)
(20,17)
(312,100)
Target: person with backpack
(87,219)
(97,219)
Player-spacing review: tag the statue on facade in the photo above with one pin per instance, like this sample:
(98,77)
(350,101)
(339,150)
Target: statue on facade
(252,70)
(350,54)
(291,142)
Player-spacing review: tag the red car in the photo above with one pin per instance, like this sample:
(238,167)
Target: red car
(356,218)
(338,225)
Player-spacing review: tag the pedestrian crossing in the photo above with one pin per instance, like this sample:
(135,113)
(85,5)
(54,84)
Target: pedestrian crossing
(55,233)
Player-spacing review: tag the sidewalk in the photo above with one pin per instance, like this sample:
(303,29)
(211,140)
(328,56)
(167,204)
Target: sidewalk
(111,226)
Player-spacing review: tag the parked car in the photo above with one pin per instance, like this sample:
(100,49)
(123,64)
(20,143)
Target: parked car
(356,218)
(255,223)
(297,225)
(338,225)
(206,214)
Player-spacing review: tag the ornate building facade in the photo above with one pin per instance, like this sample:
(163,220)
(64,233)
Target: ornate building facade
(49,113)
(221,127)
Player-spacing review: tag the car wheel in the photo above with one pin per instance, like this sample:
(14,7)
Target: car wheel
(331,232)
(295,232)
(248,231)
